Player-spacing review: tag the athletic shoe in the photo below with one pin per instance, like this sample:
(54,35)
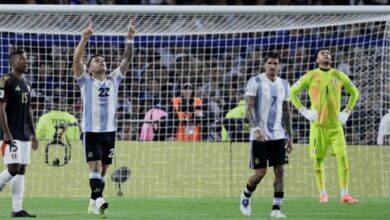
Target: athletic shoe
(277,214)
(324,199)
(22,214)
(245,205)
(102,205)
(93,209)
(347,199)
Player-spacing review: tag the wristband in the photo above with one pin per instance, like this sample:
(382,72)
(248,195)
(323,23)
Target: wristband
(256,129)
(130,41)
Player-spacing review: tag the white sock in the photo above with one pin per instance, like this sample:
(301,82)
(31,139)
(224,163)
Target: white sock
(278,201)
(17,184)
(92,202)
(344,192)
(5,177)
(323,192)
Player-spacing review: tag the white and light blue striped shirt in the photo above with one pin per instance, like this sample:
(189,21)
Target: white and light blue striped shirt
(269,104)
(99,101)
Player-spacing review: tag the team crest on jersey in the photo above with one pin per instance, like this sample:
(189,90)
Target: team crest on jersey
(90,154)
(257,161)
(334,82)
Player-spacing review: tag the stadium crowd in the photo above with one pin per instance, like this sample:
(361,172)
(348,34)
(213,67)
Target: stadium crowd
(217,76)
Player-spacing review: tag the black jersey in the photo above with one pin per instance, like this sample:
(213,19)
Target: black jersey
(15,92)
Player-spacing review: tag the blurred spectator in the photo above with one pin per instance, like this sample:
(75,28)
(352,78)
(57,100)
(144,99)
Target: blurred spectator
(185,114)
(154,127)
(234,126)
(384,128)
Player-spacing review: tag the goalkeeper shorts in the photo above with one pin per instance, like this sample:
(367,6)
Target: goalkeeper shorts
(323,138)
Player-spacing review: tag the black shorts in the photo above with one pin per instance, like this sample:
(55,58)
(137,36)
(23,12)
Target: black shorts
(99,146)
(273,152)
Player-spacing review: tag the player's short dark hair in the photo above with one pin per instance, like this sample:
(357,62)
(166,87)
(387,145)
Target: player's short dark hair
(273,55)
(90,59)
(14,53)
(319,50)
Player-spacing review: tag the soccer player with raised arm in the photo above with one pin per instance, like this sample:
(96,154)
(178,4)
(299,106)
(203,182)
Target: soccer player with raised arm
(324,86)
(17,133)
(267,108)
(99,94)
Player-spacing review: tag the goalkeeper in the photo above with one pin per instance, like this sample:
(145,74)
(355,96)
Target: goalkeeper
(324,86)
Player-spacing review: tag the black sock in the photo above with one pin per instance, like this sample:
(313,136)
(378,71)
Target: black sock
(96,188)
(278,199)
(103,185)
(249,190)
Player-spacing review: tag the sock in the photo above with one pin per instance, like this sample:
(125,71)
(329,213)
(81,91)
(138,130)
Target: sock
(344,192)
(249,190)
(95,182)
(319,173)
(323,192)
(343,171)
(92,201)
(17,185)
(103,184)
(5,177)
(278,200)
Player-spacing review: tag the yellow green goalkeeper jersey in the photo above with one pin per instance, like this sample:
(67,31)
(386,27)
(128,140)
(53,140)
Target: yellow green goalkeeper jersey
(324,89)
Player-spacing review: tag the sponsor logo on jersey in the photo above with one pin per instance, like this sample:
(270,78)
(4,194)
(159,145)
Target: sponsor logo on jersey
(17,88)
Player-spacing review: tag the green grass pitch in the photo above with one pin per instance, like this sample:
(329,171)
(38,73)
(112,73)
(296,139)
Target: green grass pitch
(203,208)
(202,180)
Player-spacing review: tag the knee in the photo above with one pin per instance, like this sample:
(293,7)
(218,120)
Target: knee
(260,173)
(279,171)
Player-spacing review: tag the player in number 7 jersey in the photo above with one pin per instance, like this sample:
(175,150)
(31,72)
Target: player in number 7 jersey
(99,94)
(324,86)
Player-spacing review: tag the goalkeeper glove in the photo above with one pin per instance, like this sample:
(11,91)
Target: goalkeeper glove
(344,115)
(308,114)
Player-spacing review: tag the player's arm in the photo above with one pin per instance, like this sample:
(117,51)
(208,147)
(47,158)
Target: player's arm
(354,95)
(287,124)
(251,116)
(4,122)
(128,54)
(352,91)
(78,56)
(298,87)
(3,113)
(31,126)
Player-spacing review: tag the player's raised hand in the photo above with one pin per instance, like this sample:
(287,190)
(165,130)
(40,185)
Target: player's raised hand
(88,31)
(131,30)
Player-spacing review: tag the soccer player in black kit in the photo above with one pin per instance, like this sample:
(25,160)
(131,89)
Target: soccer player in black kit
(17,133)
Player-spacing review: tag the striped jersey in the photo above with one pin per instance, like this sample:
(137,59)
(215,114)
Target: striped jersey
(99,101)
(269,98)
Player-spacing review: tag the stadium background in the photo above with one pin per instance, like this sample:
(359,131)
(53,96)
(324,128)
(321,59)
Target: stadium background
(218,65)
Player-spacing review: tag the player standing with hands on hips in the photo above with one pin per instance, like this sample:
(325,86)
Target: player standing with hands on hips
(17,129)
(99,94)
(324,86)
(267,107)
